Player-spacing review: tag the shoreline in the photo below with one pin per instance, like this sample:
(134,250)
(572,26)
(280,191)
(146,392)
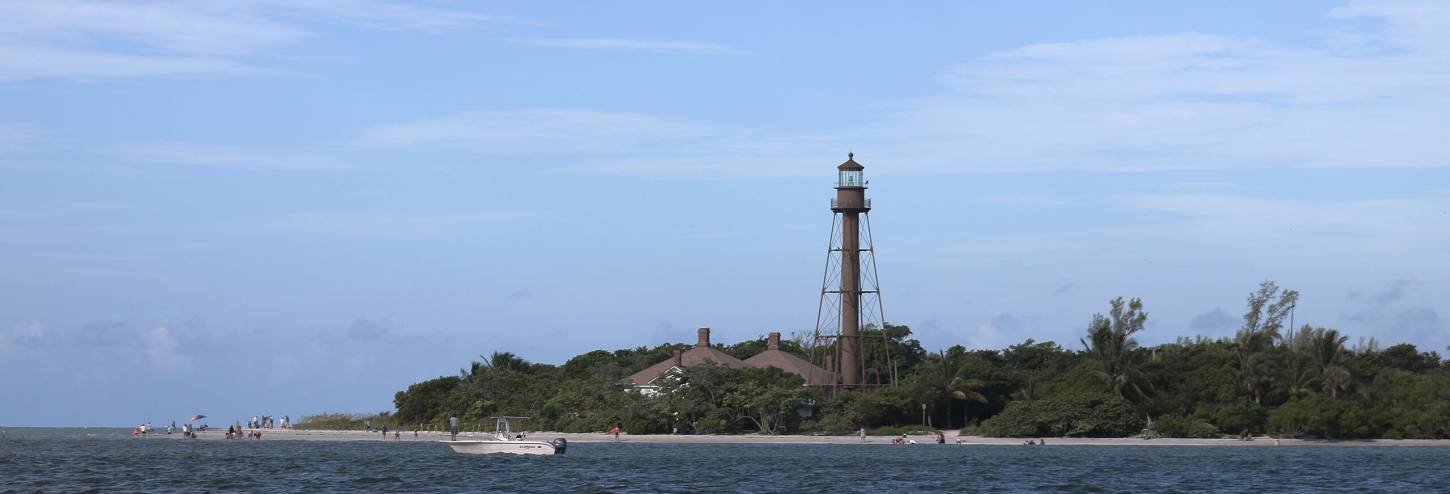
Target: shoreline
(921,439)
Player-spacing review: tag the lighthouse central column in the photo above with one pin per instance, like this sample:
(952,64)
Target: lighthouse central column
(850,341)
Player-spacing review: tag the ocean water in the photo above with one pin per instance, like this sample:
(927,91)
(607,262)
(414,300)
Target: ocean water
(109,460)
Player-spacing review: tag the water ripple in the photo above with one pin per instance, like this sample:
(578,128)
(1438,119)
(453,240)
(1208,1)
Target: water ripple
(68,460)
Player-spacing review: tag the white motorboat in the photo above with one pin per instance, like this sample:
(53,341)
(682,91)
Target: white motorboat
(503,440)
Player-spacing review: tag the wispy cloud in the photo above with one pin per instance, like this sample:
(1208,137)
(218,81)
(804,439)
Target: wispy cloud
(180,153)
(365,329)
(15,136)
(392,16)
(1412,218)
(1192,101)
(590,141)
(560,130)
(83,39)
(21,339)
(1198,185)
(386,225)
(1362,306)
(1212,321)
(1001,330)
(1023,200)
(1176,101)
(627,44)
(60,209)
(1229,229)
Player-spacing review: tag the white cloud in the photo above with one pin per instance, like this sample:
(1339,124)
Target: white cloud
(626,44)
(36,61)
(178,153)
(607,142)
(391,16)
(387,225)
(538,131)
(1221,230)
(1002,330)
(1189,101)
(1176,101)
(1415,221)
(162,350)
(20,339)
(82,39)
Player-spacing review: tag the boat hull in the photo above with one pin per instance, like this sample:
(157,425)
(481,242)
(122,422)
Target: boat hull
(507,447)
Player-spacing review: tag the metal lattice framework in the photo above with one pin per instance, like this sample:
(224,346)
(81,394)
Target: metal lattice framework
(875,362)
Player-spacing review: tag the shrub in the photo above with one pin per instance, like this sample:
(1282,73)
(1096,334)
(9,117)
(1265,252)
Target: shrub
(1321,416)
(1176,426)
(1233,417)
(1078,414)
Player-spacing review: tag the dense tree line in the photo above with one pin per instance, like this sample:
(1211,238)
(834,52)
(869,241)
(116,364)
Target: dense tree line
(1268,378)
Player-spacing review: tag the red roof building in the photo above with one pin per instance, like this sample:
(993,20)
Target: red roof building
(648,380)
(773,356)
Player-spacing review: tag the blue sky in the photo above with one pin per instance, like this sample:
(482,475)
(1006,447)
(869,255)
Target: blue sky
(250,207)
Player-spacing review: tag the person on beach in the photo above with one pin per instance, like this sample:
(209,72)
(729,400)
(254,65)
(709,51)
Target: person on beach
(615,432)
(368,425)
(862,433)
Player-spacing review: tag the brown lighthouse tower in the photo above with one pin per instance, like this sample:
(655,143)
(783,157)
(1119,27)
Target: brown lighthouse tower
(850,291)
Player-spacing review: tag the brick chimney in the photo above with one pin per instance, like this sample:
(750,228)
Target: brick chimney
(704,341)
(679,358)
(772,341)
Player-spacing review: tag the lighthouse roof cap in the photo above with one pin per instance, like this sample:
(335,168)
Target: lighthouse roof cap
(850,164)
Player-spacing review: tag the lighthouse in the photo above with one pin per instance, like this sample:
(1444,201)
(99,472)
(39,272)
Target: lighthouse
(850,290)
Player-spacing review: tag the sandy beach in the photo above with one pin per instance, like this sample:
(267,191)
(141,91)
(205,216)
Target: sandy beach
(952,440)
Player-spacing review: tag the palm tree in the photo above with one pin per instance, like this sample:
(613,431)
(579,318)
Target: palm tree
(1301,373)
(1109,341)
(1029,392)
(966,390)
(1335,379)
(1328,346)
(1300,378)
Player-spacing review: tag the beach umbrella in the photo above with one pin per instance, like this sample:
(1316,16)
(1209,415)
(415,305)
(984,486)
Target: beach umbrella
(195,418)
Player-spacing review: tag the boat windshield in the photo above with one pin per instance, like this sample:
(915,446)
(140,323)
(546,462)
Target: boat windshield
(502,428)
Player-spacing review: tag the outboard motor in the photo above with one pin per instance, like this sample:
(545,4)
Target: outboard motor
(560,445)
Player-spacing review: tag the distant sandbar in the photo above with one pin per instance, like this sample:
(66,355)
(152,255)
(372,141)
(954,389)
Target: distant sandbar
(952,440)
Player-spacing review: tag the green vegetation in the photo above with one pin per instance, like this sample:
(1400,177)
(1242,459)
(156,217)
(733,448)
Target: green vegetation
(340,421)
(1266,379)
